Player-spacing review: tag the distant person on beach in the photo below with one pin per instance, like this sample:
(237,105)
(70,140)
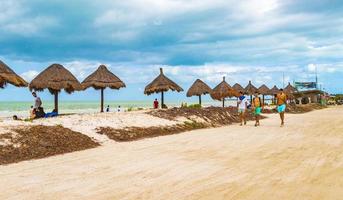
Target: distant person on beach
(119,109)
(108,108)
(38,101)
(155,104)
(257,105)
(281,100)
(242,105)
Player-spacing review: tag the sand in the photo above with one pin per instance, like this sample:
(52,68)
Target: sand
(303,160)
(87,123)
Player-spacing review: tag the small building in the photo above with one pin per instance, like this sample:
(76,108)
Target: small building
(308,96)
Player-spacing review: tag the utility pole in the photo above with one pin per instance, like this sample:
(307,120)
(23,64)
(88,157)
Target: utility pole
(316,78)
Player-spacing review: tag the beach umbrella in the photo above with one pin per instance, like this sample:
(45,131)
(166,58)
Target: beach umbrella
(250,89)
(55,78)
(223,90)
(101,79)
(275,90)
(7,75)
(199,88)
(290,90)
(161,84)
(264,90)
(238,87)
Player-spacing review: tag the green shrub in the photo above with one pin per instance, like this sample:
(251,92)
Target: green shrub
(194,106)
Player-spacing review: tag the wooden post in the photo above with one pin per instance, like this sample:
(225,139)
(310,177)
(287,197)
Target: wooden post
(56,101)
(200,100)
(102,100)
(223,102)
(162,99)
(263,99)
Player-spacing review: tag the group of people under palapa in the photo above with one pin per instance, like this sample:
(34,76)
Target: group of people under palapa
(37,110)
(258,105)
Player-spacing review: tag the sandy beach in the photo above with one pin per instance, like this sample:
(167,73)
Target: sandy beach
(303,160)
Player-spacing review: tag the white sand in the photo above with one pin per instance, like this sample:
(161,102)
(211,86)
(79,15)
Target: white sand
(87,123)
(303,160)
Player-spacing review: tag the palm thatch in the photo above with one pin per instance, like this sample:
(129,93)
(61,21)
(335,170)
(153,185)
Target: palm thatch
(250,89)
(55,78)
(264,90)
(275,90)
(161,84)
(7,75)
(101,79)
(238,87)
(290,90)
(198,88)
(222,91)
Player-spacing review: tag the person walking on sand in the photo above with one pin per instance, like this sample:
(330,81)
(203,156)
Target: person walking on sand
(38,101)
(242,105)
(281,100)
(257,108)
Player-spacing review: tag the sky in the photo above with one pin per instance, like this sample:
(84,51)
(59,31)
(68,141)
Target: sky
(257,40)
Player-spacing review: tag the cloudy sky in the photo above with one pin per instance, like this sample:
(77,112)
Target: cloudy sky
(256,40)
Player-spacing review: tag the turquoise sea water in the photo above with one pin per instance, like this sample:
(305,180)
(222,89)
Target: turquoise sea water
(22,108)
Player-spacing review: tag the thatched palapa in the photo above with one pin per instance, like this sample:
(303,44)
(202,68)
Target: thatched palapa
(161,84)
(222,91)
(264,90)
(7,75)
(55,78)
(275,90)
(101,79)
(198,88)
(290,90)
(250,89)
(238,87)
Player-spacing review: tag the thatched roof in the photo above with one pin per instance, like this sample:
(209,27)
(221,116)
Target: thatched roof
(55,78)
(238,87)
(198,88)
(161,84)
(250,89)
(7,75)
(223,90)
(274,90)
(290,89)
(264,90)
(101,79)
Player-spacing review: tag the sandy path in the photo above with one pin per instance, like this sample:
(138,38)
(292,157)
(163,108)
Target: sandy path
(303,160)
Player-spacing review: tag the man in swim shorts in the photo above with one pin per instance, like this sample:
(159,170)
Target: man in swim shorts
(281,100)
(257,108)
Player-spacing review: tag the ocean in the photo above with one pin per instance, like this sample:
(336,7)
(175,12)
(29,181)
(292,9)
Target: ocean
(22,108)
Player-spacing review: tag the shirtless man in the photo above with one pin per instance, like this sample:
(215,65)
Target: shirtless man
(281,100)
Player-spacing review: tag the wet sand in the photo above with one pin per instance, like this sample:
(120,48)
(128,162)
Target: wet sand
(303,160)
